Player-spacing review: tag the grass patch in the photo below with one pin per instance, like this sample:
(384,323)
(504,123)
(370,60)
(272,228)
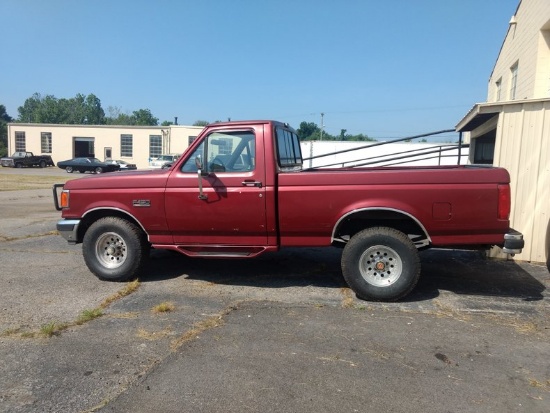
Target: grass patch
(545,385)
(154,335)
(18,182)
(10,332)
(198,328)
(52,329)
(88,315)
(127,290)
(45,234)
(164,307)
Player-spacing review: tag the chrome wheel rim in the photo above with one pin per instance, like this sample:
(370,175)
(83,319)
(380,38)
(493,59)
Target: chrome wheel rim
(111,250)
(380,266)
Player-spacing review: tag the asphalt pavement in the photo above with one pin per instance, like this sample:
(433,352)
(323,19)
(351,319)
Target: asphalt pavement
(280,333)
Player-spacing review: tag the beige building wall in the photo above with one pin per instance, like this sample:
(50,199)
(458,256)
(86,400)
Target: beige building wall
(175,139)
(527,47)
(520,124)
(523,148)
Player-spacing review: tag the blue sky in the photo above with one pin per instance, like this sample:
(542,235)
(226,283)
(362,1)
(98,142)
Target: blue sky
(389,68)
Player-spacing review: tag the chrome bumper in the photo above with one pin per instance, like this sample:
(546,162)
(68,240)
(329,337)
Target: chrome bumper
(513,242)
(68,229)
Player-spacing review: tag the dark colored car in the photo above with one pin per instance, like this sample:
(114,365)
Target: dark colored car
(87,165)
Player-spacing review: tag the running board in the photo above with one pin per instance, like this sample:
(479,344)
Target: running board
(215,251)
(220,251)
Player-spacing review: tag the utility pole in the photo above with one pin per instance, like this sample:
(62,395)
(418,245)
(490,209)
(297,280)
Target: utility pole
(322,125)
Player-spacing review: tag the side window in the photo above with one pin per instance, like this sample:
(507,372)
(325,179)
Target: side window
(288,149)
(225,152)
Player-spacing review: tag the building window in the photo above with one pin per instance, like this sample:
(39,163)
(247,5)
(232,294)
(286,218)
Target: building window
(190,140)
(513,81)
(20,142)
(155,146)
(498,94)
(126,146)
(46,142)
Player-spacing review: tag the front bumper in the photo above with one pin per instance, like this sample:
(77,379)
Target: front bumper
(513,242)
(68,229)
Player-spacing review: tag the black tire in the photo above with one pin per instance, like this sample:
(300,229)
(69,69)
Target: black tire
(18,165)
(69,169)
(98,170)
(381,264)
(42,164)
(115,249)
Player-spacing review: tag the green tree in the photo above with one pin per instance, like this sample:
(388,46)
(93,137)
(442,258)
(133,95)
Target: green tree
(4,119)
(141,117)
(307,130)
(29,111)
(201,123)
(116,117)
(48,109)
(144,117)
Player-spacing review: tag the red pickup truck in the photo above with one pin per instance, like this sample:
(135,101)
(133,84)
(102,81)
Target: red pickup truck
(240,190)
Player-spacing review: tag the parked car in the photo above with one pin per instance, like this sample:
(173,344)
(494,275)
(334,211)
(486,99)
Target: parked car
(87,165)
(163,160)
(124,166)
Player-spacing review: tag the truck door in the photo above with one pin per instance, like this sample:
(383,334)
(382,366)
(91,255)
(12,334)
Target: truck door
(232,208)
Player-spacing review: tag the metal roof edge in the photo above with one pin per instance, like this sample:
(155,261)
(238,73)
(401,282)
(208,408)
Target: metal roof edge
(487,109)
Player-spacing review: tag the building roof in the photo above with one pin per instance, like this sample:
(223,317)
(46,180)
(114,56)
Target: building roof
(483,112)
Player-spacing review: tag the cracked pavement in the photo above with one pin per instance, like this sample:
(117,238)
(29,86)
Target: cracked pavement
(281,332)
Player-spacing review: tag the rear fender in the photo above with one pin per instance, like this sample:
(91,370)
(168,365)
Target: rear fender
(359,219)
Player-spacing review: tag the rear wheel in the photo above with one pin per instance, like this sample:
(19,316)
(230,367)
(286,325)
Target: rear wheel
(115,249)
(42,164)
(381,264)
(98,170)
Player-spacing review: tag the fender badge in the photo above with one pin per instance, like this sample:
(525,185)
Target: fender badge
(141,203)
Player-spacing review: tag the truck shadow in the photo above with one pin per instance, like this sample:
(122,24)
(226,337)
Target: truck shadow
(471,273)
(460,272)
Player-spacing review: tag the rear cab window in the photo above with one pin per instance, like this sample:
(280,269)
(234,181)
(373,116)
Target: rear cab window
(289,153)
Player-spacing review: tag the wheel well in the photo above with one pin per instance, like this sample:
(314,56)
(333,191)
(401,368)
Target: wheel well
(357,221)
(93,216)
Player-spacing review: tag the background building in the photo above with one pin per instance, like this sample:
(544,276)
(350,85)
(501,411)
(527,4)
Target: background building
(134,144)
(512,129)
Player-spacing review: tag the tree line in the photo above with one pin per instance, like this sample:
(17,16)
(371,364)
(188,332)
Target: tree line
(87,110)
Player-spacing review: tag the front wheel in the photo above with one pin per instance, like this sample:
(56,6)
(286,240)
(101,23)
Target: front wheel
(115,249)
(98,170)
(69,169)
(381,264)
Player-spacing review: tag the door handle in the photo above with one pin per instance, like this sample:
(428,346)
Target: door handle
(252,183)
